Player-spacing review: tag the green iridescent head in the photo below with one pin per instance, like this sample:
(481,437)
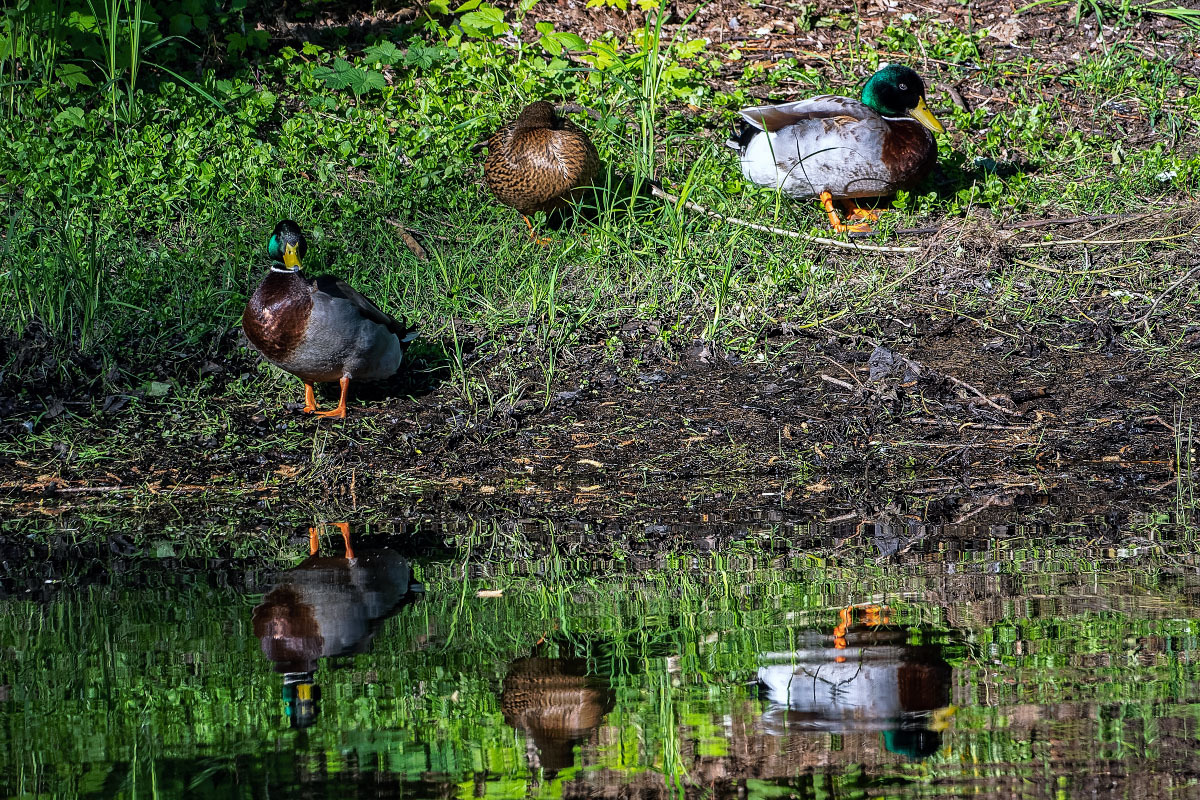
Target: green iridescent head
(897,91)
(287,245)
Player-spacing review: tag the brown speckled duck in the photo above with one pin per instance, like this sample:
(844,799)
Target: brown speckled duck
(320,329)
(557,703)
(539,161)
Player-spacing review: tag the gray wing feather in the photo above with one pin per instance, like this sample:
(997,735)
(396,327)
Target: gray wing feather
(776,117)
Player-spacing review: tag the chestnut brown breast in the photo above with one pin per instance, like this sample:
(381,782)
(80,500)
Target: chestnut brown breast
(277,315)
(536,162)
(909,152)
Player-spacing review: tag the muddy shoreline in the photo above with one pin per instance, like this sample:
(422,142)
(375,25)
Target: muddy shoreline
(935,420)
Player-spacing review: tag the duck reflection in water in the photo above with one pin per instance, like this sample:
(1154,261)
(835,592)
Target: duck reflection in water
(557,703)
(326,607)
(865,678)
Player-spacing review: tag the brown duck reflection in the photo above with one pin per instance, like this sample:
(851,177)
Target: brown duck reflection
(557,703)
(865,678)
(326,607)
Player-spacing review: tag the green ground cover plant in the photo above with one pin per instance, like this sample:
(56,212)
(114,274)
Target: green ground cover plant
(141,175)
(150,221)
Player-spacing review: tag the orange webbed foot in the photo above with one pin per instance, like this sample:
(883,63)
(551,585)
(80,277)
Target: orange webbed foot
(310,399)
(340,411)
(835,221)
(542,240)
(854,211)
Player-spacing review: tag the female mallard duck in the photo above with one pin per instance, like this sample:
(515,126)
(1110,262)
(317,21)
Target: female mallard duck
(835,147)
(539,161)
(319,329)
(557,703)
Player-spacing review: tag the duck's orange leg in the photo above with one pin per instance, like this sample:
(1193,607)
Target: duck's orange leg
(344,527)
(310,399)
(875,616)
(313,542)
(543,241)
(835,222)
(340,411)
(839,631)
(854,211)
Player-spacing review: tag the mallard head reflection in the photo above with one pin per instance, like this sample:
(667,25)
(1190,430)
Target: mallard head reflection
(326,607)
(864,678)
(557,703)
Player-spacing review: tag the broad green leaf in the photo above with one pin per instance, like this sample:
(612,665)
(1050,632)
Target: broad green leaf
(385,53)
(181,25)
(362,81)
(572,41)
(72,115)
(73,76)
(486,21)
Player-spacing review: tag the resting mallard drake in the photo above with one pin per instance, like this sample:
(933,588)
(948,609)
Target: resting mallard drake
(836,147)
(539,161)
(319,329)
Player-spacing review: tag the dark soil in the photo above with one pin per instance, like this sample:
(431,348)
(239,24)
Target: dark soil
(936,419)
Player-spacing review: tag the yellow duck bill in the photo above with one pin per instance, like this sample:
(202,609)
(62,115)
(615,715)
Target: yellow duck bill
(291,261)
(923,115)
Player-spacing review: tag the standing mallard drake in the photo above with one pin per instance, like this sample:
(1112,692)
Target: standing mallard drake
(327,607)
(539,161)
(319,329)
(836,147)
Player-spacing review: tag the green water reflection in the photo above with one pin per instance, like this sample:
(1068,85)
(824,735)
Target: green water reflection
(996,663)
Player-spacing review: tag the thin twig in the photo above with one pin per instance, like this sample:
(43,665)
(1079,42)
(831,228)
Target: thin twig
(1056,242)
(918,367)
(408,239)
(1154,306)
(837,382)
(699,209)
(843,369)
(980,395)
(1043,223)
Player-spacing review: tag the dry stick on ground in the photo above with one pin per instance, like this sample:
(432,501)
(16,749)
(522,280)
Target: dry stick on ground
(1154,306)
(1056,242)
(409,241)
(699,209)
(918,367)
(836,382)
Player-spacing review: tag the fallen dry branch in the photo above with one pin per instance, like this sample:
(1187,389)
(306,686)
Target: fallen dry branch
(411,243)
(919,368)
(1145,318)
(850,245)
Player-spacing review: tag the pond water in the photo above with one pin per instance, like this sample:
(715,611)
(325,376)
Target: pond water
(517,660)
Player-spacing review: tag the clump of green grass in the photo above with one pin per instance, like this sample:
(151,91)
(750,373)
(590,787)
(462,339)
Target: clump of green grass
(1114,12)
(149,236)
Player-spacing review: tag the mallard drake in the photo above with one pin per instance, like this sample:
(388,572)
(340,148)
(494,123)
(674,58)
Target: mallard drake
(539,161)
(326,607)
(319,329)
(865,678)
(837,147)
